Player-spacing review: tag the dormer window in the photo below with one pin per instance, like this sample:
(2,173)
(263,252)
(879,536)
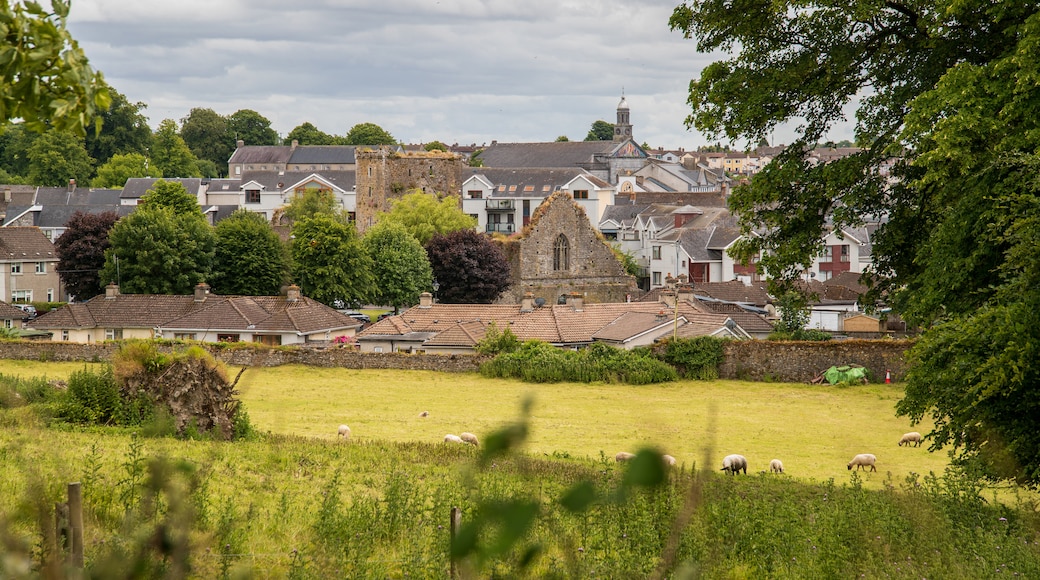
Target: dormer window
(252,196)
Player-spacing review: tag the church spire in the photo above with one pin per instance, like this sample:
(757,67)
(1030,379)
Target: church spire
(623,127)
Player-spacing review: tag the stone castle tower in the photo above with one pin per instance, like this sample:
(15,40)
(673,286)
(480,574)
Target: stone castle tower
(383,175)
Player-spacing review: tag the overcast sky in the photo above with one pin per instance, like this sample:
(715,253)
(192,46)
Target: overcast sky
(459,71)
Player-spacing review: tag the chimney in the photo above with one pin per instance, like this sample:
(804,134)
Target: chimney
(111,291)
(425,300)
(576,301)
(201,291)
(292,293)
(240,144)
(72,185)
(527,302)
(685,293)
(295,143)
(668,298)
(7,194)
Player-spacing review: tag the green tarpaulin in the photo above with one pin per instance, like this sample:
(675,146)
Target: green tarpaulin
(845,374)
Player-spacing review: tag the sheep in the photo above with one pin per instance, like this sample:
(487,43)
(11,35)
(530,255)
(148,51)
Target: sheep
(424,414)
(776,466)
(862,460)
(734,463)
(449,438)
(344,431)
(469,438)
(623,456)
(669,461)
(911,437)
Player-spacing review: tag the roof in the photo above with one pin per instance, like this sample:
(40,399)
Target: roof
(25,244)
(527,181)
(557,154)
(217,313)
(324,154)
(136,187)
(749,321)
(8,312)
(276,154)
(735,291)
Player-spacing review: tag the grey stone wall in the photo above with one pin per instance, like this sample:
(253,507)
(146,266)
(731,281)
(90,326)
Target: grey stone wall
(383,175)
(801,362)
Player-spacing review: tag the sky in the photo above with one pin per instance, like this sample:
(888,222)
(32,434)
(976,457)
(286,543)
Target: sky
(457,71)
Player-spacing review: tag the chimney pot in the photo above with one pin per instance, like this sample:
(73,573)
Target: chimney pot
(292,293)
(111,291)
(201,291)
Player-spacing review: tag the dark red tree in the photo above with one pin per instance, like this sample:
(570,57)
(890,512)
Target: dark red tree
(469,268)
(81,252)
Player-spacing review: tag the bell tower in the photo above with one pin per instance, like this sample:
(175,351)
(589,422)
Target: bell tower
(623,127)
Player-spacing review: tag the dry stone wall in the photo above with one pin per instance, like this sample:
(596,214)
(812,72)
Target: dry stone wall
(800,362)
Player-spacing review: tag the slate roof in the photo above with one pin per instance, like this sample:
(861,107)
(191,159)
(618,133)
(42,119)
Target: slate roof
(25,244)
(557,154)
(527,181)
(136,187)
(735,291)
(215,313)
(57,205)
(275,181)
(324,154)
(749,321)
(275,154)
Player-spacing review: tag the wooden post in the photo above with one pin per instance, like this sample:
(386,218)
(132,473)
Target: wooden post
(61,528)
(456,523)
(76,523)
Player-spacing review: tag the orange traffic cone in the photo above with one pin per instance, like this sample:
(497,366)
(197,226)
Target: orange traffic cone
(888,376)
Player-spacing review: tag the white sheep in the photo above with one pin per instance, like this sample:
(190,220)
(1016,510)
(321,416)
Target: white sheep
(668,460)
(776,466)
(469,438)
(863,460)
(344,431)
(734,463)
(424,414)
(449,438)
(623,456)
(911,437)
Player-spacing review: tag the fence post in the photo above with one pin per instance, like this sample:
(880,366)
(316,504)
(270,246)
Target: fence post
(76,523)
(456,522)
(62,536)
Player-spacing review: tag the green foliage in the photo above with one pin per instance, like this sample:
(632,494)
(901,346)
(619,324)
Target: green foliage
(812,334)
(206,134)
(469,267)
(81,252)
(562,139)
(425,215)
(93,397)
(329,261)
(435,146)
(794,312)
(57,156)
(249,257)
(157,251)
(114,173)
(696,358)
(251,127)
(600,131)
(124,131)
(369,134)
(632,267)
(307,134)
(170,154)
(45,77)
(172,195)
(497,341)
(540,362)
(314,202)
(400,268)
(17,391)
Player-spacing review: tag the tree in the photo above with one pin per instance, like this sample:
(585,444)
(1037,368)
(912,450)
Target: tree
(469,267)
(369,134)
(58,156)
(81,252)
(45,77)
(955,249)
(121,167)
(329,262)
(600,131)
(252,128)
(400,268)
(314,202)
(561,139)
(124,129)
(172,195)
(15,141)
(206,134)
(435,146)
(249,259)
(424,215)
(171,155)
(308,134)
(156,251)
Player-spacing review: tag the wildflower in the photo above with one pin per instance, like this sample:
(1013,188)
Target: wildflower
(581,549)
(1002,519)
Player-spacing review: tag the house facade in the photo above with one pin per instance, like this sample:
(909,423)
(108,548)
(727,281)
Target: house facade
(28,267)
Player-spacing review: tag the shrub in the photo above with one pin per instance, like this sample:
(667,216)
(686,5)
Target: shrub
(93,397)
(18,391)
(695,358)
(497,341)
(540,362)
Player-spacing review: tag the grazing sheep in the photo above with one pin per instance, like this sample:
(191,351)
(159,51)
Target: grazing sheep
(623,456)
(344,431)
(449,438)
(668,460)
(469,438)
(424,414)
(862,460)
(776,466)
(911,437)
(734,463)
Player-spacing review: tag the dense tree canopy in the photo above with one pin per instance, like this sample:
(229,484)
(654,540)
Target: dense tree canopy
(250,259)
(314,202)
(251,127)
(171,155)
(172,195)
(206,134)
(369,134)
(124,130)
(329,261)
(469,267)
(600,131)
(424,215)
(45,79)
(949,87)
(58,156)
(119,168)
(81,252)
(307,134)
(400,268)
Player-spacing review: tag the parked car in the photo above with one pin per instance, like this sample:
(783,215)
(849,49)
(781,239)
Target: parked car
(360,316)
(384,315)
(29,309)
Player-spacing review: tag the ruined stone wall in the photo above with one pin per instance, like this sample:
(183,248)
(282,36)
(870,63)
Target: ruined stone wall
(801,362)
(383,175)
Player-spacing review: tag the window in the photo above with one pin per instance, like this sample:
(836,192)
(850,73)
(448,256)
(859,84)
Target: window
(7,323)
(828,254)
(474,194)
(370,171)
(581,194)
(23,296)
(238,170)
(50,295)
(65,335)
(41,267)
(474,216)
(16,267)
(252,196)
(227,338)
(657,279)
(184,336)
(561,253)
(377,349)
(268,339)
(113,334)
(656,252)
(845,253)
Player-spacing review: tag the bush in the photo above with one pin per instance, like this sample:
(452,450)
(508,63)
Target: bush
(93,397)
(17,391)
(497,342)
(695,358)
(540,362)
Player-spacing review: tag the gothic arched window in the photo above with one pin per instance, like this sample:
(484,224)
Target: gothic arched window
(561,253)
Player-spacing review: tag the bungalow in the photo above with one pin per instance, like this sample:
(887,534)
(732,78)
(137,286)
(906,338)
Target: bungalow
(271,320)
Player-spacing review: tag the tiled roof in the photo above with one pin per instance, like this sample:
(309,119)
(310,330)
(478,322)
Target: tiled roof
(559,154)
(25,244)
(8,312)
(749,321)
(276,181)
(527,181)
